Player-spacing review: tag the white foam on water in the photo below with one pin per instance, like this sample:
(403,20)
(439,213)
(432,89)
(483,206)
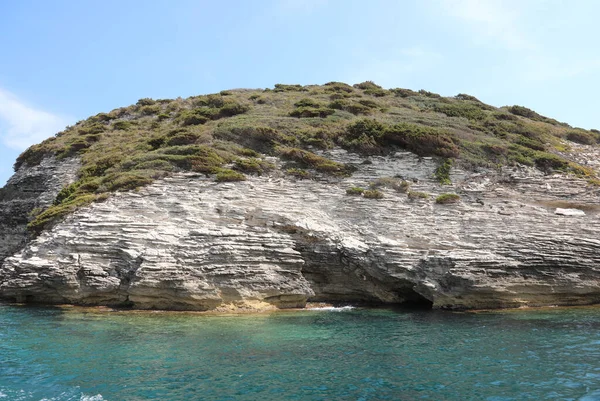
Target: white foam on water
(97,397)
(22,395)
(333,308)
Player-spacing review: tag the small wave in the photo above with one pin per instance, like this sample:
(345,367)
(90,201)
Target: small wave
(97,397)
(593,396)
(22,395)
(333,308)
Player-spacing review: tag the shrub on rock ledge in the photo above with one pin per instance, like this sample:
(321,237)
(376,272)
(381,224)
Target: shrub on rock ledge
(418,195)
(445,199)
(227,175)
(355,191)
(373,194)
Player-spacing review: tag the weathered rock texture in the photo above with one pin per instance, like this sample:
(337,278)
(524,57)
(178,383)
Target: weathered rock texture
(28,189)
(186,242)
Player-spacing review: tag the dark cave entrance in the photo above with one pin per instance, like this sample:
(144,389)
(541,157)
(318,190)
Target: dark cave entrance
(414,300)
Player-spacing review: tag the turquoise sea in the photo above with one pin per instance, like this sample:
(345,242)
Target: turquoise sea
(54,354)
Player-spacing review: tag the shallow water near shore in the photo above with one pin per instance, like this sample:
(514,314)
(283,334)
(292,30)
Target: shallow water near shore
(59,354)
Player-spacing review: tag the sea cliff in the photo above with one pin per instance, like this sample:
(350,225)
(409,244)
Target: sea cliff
(515,235)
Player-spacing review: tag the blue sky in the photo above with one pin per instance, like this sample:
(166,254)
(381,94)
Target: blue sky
(64,60)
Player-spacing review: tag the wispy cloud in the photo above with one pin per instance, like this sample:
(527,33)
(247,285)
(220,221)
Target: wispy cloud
(505,25)
(497,20)
(22,125)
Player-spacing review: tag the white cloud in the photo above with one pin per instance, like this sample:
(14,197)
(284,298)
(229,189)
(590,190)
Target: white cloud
(22,126)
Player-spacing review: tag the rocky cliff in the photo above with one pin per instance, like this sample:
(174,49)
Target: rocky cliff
(186,242)
(256,199)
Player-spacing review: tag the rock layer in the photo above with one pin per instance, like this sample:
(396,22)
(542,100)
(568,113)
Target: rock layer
(186,242)
(28,189)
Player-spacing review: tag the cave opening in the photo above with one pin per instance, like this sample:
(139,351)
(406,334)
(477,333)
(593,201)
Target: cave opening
(414,300)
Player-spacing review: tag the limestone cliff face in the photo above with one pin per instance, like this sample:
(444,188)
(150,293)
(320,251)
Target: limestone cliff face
(186,242)
(28,189)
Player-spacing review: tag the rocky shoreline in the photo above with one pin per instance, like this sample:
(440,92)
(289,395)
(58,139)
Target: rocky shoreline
(188,243)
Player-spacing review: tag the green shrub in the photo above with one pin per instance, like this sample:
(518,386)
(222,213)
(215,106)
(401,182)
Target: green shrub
(351,107)
(55,212)
(32,156)
(157,164)
(429,94)
(289,88)
(311,160)
(260,138)
(403,92)
(582,137)
(366,126)
(422,140)
(377,92)
(122,125)
(531,143)
(248,152)
(103,117)
(505,116)
(373,194)
(363,106)
(226,175)
(548,162)
(232,109)
(338,87)
(253,166)
(150,110)
(442,172)
(371,104)
(66,193)
(182,138)
(355,191)
(211,101)
(192,117)
(367,85)
(125,181)
(304,112)
(307,102)
(445,199)
(299,173)
(146,102)
(464,96)
(524,112)
(465,110)
(418,195)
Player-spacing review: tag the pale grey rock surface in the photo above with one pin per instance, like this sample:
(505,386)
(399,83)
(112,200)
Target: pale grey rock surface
(186,242)
(28,189)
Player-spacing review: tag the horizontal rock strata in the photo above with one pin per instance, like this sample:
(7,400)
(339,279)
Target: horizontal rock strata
(186,242)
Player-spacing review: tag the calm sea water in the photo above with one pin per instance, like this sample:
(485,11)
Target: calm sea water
(350,354)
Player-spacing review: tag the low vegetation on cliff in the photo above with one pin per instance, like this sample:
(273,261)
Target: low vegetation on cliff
(230,134)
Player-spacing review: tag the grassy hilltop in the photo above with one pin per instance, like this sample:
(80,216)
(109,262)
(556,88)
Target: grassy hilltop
(227,135)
